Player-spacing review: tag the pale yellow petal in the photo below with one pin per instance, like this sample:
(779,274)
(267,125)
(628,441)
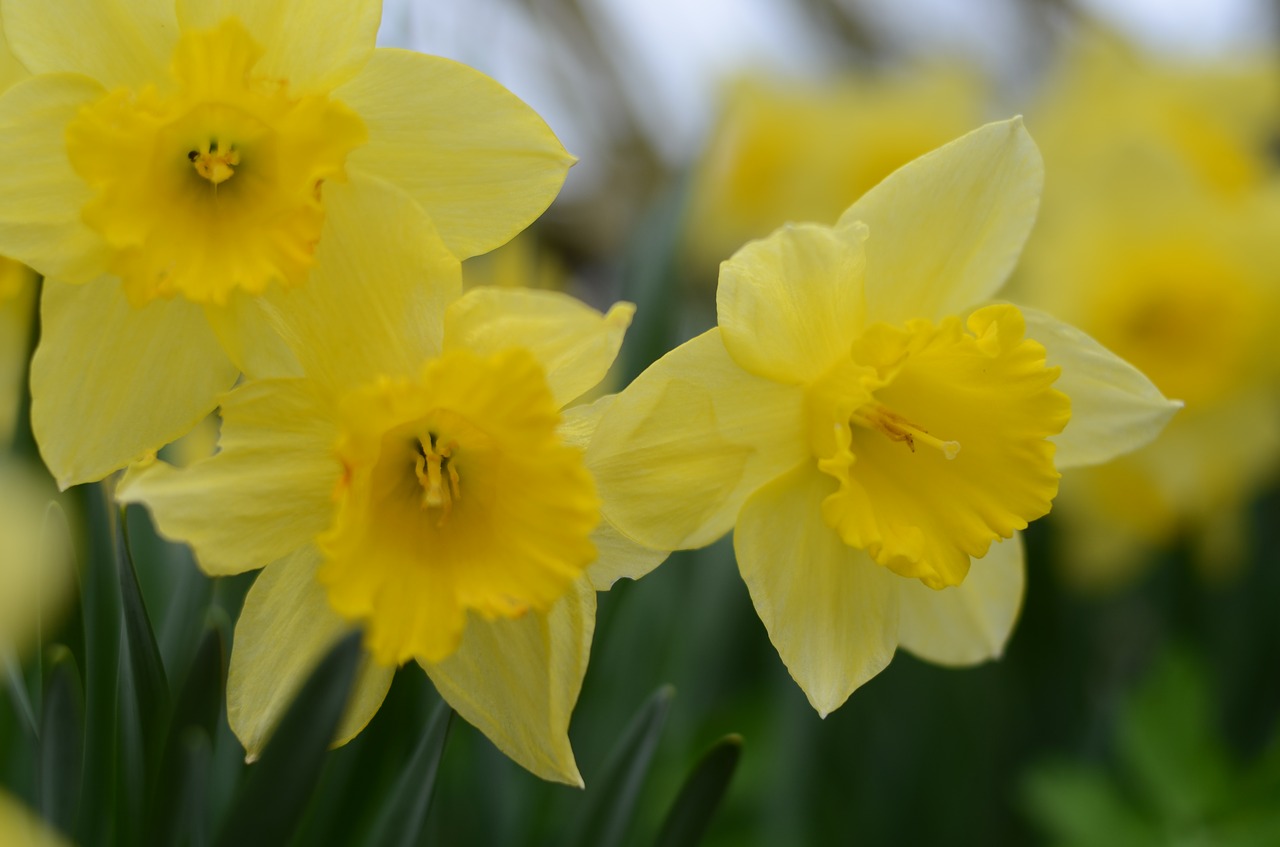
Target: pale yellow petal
(285,628)
(11,70)
(831,611)
(267,491)
(517,681)
(790,305)
(312,44)
(967,623)
(480,161)
(246,328)
(117,42)
(41,197)
(681,448)
(1114,407)
(375,301)
(573,342)
(618,557)
(947,228)
(111,383)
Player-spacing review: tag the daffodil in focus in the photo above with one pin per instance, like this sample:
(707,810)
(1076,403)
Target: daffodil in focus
(418,480)
(1159,240)
(803,151)
(874,428)
(167,168)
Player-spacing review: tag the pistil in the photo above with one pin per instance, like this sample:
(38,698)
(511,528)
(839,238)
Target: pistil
(214,164)
(432,467)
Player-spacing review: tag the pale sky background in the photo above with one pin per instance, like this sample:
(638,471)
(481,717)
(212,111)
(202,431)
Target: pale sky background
(672,55)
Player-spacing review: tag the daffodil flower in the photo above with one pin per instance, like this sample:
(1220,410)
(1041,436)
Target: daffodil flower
(874,428)
(420,480)
(167,167)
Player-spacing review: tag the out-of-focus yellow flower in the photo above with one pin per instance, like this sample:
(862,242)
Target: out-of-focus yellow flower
(803,152)
(167,169)
(19,827)
(17,308)
(1158,238)
(871,425)
(35,558)
(520,263)
(419,480)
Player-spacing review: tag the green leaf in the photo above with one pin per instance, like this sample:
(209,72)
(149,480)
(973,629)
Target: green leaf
(61,740)
(612,798)
(275,791)
(404,814)
(1077,805)
(100,617)
(195,716)
(700,796)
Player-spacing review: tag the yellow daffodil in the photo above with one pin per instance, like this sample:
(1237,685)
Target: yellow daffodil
(167,168)
(804,151)
(872,426)
(420,480)
(1159,240)
(17,309)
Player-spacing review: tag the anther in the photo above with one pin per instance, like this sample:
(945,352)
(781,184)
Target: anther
(897,428)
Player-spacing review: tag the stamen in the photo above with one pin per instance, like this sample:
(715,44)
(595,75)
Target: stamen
(213,165)
(897,428)
(431,467)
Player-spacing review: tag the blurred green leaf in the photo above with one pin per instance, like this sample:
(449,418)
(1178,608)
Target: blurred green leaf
(700,796)
(404,814)
(1167,742)
(612,797)
(61,740)
(17,687)
(1079,805)
(275,791)
(195,716)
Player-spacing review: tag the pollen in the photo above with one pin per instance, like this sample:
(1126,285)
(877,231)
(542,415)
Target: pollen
(214,164)
(897,428)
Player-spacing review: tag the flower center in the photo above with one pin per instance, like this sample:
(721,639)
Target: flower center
(438,477)
(926,513)
(210,181)
(214,164)
(408,554)
(897,428)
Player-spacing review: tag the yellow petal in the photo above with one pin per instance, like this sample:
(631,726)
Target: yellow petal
(41,197)
(268,490)
(17,313)
(313,44)
(480,161)
(285,628)
(947,228)
(790,305)
(617,556)
(117,42)
(1115,409)
(111,383)
(247,332)
(575,344)
(375,301)
(11,70)
(967,623)
(517,682)
(831,611)
(682,447)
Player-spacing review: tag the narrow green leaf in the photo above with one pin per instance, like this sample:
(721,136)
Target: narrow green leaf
(612,796)
(17,687)
(100,616)
(700,796)
(404,814)
(145,664)
(195,715)
(61,740)
(271,799)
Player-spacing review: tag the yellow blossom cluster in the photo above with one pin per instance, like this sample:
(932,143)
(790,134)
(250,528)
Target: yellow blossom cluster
(240,206)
